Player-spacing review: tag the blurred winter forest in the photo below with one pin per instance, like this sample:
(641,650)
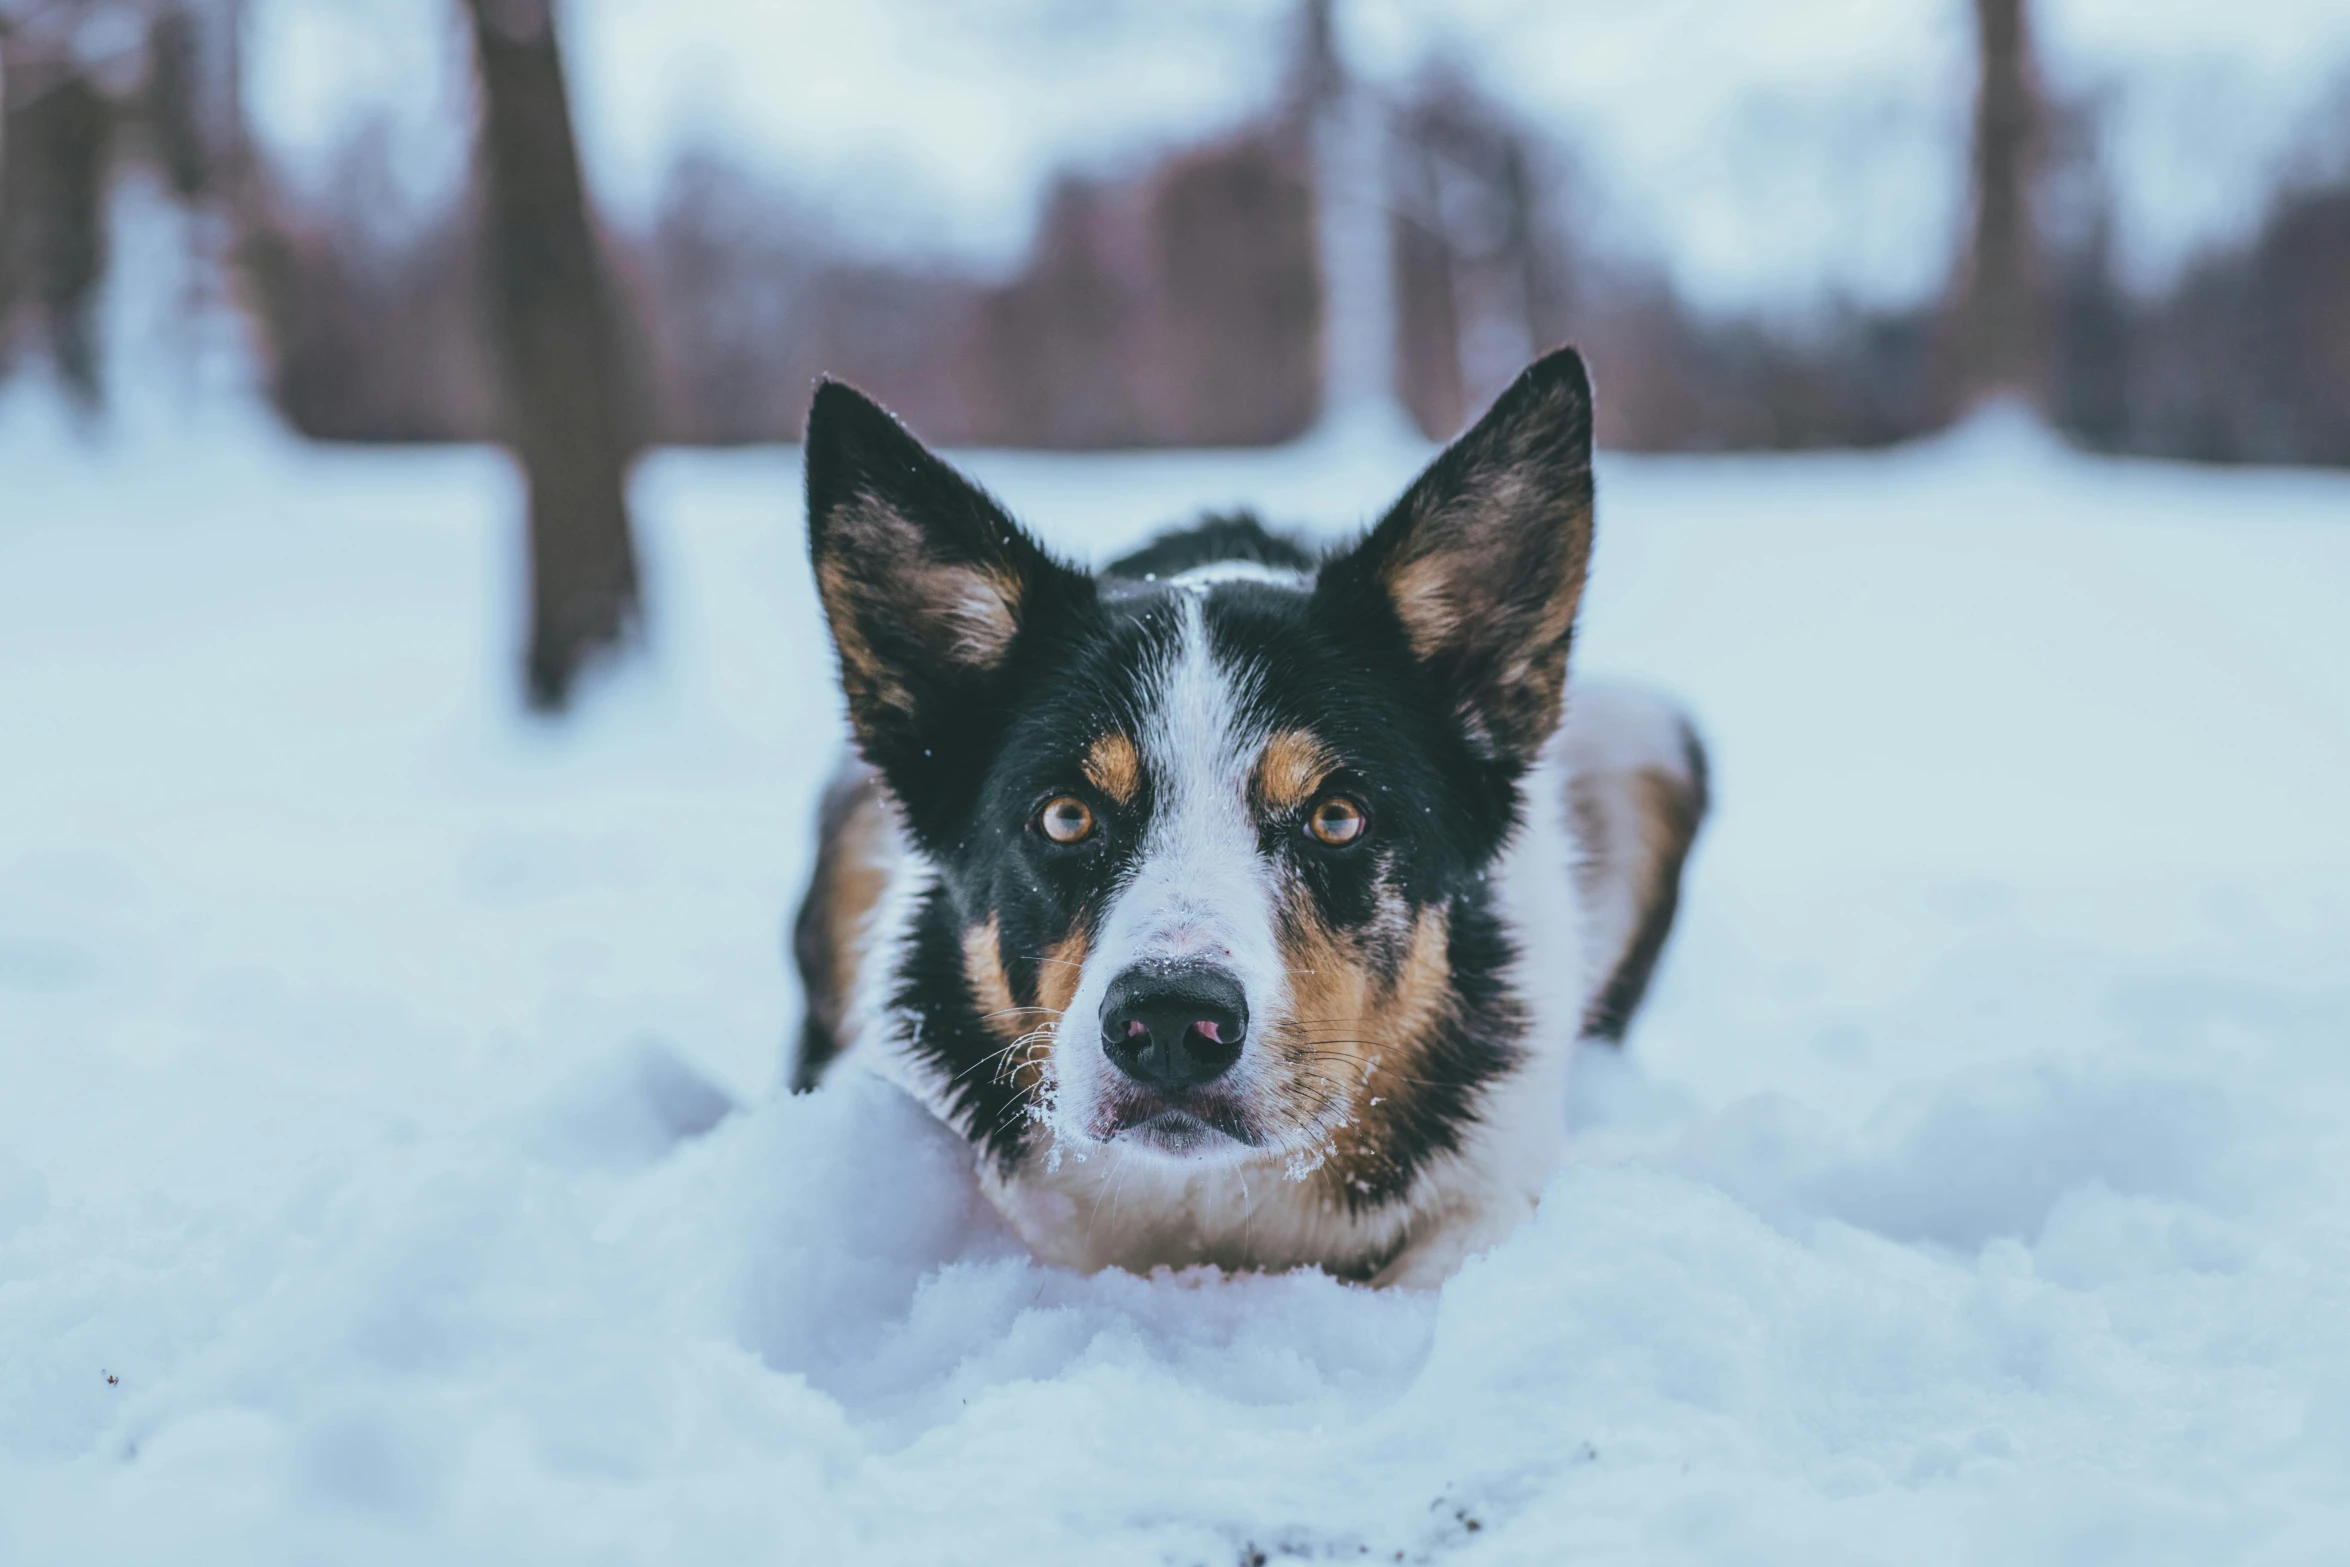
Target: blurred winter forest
(1332,235)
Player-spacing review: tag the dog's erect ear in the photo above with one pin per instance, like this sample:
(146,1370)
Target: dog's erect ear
(1482,560)
(928,585)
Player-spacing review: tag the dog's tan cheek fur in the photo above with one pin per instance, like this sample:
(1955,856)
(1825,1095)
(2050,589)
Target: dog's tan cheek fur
(1358,1035)
(1324,1039)
(1021,1030)
(983,966)
(1063,967)
(1056,986)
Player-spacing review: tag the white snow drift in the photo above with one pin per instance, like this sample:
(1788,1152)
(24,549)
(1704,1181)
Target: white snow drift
(390,1168)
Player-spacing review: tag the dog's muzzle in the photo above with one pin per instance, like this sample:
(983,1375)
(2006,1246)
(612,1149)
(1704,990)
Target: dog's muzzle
(1174,1028)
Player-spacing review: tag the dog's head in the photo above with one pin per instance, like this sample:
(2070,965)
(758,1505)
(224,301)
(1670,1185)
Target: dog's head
(1211,837)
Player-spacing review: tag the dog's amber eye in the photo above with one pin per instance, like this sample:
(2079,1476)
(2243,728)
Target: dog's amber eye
(1065,820)
(1337,821)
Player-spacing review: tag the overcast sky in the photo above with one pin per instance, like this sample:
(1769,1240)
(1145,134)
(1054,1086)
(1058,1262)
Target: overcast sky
(1771,154)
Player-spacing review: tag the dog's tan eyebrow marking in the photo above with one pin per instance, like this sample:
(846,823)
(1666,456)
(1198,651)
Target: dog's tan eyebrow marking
(1289,769)
(1114,766)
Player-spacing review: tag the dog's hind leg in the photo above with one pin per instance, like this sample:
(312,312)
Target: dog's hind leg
(853,841)
(1636,790)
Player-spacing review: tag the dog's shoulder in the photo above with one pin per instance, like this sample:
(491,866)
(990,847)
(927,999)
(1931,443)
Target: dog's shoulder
(1637,791)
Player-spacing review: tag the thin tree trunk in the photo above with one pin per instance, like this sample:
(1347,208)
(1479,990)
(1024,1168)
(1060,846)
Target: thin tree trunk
(557,340)
(2002,324)
(1353,235)
(60,132)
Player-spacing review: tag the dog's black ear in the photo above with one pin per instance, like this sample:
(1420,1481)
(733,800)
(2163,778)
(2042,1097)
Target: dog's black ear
(1482,561)
(928,585)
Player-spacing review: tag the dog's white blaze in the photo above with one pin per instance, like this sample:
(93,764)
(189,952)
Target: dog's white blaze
(1200,889)
(1215,571)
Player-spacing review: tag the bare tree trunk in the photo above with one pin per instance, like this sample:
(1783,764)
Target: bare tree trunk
(1348,127)
(559,348)
(59,134)
(2002,317)
(178,117)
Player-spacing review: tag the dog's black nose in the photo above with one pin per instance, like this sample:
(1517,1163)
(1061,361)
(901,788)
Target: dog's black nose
(1175,1027)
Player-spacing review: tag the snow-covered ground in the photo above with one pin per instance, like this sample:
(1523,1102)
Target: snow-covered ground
(1975,1190)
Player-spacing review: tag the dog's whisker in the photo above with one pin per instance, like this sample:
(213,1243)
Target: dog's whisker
(1030,1038)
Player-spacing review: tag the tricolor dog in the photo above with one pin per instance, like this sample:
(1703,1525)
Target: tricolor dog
(1241,903)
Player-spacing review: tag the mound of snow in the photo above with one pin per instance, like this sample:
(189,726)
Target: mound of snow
(391,1168)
